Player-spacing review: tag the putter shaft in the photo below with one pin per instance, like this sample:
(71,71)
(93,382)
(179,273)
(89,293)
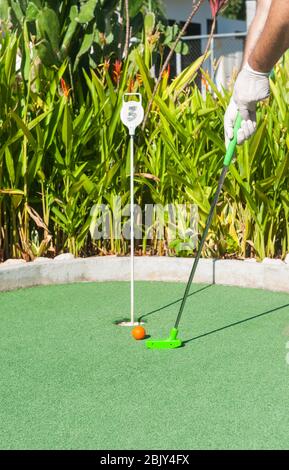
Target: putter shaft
(203,239)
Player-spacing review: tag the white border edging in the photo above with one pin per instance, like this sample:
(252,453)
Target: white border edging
(270,275)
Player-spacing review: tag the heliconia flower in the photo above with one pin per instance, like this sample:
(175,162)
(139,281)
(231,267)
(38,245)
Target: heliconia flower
(65,88)
(106,64)
(139,79)
(167,72)
(216,5)
(130,86)
(117,68)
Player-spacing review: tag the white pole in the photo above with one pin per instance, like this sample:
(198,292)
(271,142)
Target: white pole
(132,229)
(132,114)
(212,58)
(178,63)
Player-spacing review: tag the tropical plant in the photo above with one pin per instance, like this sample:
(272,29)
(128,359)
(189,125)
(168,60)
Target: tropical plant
(236,9)
(86,32)
(63,152)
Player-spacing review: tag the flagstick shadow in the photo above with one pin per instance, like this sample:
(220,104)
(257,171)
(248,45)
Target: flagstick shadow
(172,303)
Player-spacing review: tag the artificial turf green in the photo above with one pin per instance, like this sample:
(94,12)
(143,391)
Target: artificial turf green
(71,379)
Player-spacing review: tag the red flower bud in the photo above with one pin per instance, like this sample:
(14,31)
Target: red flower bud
(216,5)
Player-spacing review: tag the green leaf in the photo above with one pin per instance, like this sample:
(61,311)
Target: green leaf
(149,20)
(70,32)
(17,10)
(60,215)
(86,44)
(67,131)
(10,165)
(186,77)
(31,12)
(4,9)
(48,27)
(21,124)
(86,13)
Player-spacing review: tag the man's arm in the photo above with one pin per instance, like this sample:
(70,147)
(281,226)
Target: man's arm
(252,84)
(254,33)
(256,28)
(274,39)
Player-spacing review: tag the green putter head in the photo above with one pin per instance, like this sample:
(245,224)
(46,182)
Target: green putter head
(169,343)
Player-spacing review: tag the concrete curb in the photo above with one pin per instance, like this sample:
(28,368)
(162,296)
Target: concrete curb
(270,274)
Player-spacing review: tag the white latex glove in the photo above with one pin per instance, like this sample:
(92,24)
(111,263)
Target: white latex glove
(250,87)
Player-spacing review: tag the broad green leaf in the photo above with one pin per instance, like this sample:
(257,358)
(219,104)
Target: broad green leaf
(26,131)
(10,165)
(87,9)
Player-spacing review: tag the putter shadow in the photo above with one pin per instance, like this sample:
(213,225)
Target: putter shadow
(217,330)
(171,303)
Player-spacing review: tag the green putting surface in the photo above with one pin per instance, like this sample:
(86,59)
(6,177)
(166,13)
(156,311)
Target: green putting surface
(71,379)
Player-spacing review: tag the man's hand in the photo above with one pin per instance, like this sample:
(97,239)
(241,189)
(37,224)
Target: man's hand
(250,87)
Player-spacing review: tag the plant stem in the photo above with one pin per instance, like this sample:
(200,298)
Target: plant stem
(195,8)
(127,33)
(213,27)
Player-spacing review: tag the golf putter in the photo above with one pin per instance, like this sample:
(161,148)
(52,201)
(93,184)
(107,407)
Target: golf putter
(173,341)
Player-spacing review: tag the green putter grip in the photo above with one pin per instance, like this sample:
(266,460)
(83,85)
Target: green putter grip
(232,145)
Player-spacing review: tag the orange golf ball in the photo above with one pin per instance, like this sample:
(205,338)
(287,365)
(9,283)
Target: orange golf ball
(138,332)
